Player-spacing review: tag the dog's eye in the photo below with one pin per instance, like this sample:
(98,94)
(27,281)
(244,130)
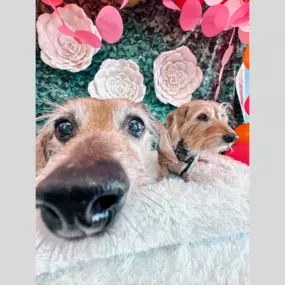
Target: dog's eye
(63,130)
(203,118)
(136,127)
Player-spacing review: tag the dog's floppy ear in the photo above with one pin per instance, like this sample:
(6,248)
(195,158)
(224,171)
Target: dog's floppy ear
(42,140)
(180,115)
(164,143)
(174,122)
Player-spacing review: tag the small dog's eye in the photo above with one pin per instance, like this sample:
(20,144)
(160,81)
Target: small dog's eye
(63,130)
(203,118)
(136,127)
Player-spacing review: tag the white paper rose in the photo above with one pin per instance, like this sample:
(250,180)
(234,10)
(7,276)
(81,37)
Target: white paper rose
(118,79)
(176,76)
(60,51)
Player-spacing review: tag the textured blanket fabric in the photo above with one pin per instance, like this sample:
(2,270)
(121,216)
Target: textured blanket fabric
(167,233)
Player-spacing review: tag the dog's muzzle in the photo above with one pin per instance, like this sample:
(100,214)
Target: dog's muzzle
(79,202)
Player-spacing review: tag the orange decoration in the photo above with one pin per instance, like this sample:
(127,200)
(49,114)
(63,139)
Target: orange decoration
(243,132)
(246,57)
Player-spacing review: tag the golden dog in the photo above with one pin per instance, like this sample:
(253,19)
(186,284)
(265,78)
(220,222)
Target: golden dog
(90,153)
(195,128)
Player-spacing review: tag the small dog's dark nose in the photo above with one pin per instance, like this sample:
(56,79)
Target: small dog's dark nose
(78,202)
(230,137)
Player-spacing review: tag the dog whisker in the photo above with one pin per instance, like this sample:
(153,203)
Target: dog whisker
(52,104)
(152,201)
(135,229)
(43,117)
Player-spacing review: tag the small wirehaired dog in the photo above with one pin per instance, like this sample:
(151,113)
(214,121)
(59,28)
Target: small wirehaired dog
(196,128)
(89,154)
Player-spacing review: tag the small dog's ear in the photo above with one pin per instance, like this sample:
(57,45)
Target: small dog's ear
(177,117)
(181,114)
(174,122)
(164,143)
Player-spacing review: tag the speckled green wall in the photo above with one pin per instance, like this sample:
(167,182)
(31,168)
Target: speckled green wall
(149,29)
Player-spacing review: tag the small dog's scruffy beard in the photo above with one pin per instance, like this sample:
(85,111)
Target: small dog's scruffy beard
(210,145)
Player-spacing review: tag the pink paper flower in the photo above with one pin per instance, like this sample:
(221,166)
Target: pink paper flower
(176,76)
(62,51)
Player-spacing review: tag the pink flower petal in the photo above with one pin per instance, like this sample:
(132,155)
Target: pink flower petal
(52,2)
(244,28)
(213,2)
(65,31)
(190,15)
(109,24)
(124,3)
(215,19)
(171,5)
(243,36)
(240,16)
(89,38)
(232,5)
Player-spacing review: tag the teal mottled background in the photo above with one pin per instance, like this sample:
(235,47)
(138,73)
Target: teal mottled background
(149,29)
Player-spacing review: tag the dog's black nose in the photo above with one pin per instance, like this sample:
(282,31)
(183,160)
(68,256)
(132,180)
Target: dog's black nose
(230,137)
(78,202)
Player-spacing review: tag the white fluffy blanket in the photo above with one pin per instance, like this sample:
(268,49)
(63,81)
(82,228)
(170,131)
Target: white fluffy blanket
(166,233)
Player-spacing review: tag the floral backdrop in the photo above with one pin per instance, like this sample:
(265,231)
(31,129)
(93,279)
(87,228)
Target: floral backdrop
(149,29)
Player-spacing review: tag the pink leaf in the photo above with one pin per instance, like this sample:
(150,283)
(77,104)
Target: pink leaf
(52,3)
(240,16)
(171,5)
(215,19)
(227,55)
(124,3)
(243,36)
(190,15)
(89,38)
(225,59)
(65,31)
(217,91)
(213,2)
(109,24)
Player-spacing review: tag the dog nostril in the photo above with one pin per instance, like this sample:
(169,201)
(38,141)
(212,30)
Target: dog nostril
(100,207)
(229,138)
(104,203)
(51,219)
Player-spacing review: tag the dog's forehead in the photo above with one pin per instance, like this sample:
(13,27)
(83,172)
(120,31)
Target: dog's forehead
(103,114)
